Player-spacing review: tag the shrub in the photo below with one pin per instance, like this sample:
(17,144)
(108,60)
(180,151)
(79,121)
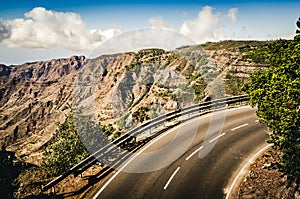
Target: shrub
(65,151)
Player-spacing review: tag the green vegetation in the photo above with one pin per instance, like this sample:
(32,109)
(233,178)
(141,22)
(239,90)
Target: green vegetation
(194,77)
(276,93)
(235,46)
(257,56)
(172,58)
(233,84)
(199,89)
(183,86)
(152,52)
(140,115)
(65,151)
(107,129)
(160,85)
(122,120)
(169,94)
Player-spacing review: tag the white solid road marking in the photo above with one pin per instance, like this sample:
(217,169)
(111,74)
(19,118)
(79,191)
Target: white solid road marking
(194,153)
(170,179)
(239,127)
(243,170)
(214,139)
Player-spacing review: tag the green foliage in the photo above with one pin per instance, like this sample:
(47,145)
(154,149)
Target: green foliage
(276,93)
(160,85)
(194,77)
(169,94)
(235,46)
(183,86)
(116,134)
(140,115)
(199,89)
(122,120)
(151,52)
(257,55)
(172,58)
(107,129)
(65,151)
(233,84)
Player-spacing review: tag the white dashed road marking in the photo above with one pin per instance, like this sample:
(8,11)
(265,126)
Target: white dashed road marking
(239,127)
(194,153)
(214,139)
(170,179)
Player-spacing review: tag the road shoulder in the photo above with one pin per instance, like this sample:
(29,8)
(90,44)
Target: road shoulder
(236,179)
(262,179)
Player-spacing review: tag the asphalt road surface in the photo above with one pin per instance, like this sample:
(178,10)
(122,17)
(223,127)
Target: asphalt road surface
(194,160)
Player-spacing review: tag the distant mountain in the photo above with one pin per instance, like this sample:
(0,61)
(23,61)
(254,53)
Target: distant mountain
(117,89)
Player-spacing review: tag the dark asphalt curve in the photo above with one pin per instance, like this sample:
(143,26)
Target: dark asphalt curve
(201,171)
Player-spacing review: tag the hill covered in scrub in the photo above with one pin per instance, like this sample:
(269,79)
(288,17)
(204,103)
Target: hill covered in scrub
(120,90)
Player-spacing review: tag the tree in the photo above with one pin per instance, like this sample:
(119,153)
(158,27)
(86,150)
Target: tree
(276,92)
(141,114)
(65,151)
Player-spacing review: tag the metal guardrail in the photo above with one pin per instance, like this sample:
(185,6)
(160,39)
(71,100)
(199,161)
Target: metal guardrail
(133,133)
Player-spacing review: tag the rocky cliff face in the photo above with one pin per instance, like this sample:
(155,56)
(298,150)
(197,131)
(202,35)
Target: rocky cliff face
(33,98)
(122,89)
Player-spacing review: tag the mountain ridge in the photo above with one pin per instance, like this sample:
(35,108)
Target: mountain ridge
(35,96)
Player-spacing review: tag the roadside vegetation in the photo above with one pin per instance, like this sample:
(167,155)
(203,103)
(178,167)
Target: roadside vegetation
(141,114)
(66,149)
(276,92)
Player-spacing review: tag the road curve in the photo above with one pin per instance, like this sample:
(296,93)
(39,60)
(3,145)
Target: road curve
(201,171)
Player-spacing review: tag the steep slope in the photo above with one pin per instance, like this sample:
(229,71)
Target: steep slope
(122,89)
(33,98)
(236,59)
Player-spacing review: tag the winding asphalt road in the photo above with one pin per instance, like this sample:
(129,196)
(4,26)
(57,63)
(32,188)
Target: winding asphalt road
(218,144)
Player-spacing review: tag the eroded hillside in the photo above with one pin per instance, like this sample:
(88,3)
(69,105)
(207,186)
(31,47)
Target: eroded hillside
(122,89)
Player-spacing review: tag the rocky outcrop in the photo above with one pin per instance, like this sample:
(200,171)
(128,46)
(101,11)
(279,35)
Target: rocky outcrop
(234,62)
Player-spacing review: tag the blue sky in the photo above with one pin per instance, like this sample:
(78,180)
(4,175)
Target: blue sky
(33,30)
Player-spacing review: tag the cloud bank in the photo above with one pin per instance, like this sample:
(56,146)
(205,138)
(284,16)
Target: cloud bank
(43,28)
(207,25)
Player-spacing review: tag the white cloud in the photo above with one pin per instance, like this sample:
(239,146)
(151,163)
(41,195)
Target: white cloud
(43,28)
(232,14)
(206,27)
(158,22)
(144,38)
(4,30)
